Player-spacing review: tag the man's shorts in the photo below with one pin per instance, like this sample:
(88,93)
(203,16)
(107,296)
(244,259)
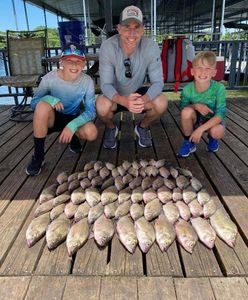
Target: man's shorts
(61,120)
(142,91)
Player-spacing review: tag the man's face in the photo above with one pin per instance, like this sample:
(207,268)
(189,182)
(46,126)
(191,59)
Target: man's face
(130,34)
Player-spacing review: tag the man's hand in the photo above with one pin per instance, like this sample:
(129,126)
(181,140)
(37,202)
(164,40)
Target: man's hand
(202,109)
(65,136)
(196,135)
(59,106)
(135,103)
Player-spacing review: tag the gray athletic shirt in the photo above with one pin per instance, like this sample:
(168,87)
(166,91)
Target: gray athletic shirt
(145,60)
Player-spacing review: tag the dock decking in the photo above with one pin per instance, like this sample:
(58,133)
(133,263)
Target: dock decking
(113,273)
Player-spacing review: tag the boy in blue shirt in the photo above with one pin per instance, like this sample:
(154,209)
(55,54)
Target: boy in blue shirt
(203,104)
(57,106)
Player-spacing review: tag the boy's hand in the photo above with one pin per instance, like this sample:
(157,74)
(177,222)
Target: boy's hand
(59,106)
(203,109)
(65,136)
(196,135)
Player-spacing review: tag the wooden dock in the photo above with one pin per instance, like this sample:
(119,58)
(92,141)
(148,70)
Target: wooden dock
(113,273)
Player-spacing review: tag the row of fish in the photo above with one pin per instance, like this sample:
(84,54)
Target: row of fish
(142,201)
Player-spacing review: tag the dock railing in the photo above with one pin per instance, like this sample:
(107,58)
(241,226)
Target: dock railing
(235,55)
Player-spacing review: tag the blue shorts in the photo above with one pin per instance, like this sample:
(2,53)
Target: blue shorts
(201,120)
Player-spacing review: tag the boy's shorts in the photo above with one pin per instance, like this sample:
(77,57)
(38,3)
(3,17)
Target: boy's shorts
(61,120)
(142,91)
(201,120)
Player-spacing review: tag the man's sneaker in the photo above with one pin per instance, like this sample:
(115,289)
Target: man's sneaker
(35,166)
(213,145)
(186,148)
(109,141)
(144,137)
(75,145)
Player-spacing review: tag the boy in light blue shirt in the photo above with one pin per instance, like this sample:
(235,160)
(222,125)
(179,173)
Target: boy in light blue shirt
(57,105)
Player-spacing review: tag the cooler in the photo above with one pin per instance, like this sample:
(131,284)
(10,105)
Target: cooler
(220,68)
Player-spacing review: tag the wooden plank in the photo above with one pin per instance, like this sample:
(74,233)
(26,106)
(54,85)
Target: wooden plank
(240,102)
(237,131)
(230,288)
(163,263)
(12,160)
(122,262)
(151,288)
(12,143)
(238,110)
(118,288)
(90,260)
(46,287)
(237,119)
(193,288)
(82,288)
(14,288)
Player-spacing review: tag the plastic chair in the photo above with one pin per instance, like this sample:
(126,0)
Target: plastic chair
(25,50)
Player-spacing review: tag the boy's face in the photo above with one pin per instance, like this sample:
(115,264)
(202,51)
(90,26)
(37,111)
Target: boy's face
(203,71)
(72,67)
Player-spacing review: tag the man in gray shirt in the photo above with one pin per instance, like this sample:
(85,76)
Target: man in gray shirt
(124,61)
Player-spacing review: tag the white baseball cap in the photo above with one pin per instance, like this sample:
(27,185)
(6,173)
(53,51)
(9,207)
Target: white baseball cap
(131,13)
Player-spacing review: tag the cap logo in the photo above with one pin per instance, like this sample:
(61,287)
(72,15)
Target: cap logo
(132,12)
(73,48)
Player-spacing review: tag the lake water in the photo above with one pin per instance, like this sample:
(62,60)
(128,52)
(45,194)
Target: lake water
(4,89)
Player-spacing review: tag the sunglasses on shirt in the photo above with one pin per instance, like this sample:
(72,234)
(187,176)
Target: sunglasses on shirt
(127,64)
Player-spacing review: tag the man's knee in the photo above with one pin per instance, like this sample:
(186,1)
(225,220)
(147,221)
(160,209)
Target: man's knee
(103,105)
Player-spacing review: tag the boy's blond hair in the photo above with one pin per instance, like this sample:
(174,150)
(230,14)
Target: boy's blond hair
(209,56)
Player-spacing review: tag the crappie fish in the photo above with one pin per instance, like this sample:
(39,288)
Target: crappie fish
(136,211)
(124,195)
(62,177)
(63,187)
(186,235)
(209,208)
(37,229)
(95,212)
(77,236)
(43,208)
(48,193)
(164,194)
(195,208)
(82,211)
(123,209)
(63,198)
(204,230)
(145,233)
(149,195)
(92,196)
(152,209)
(137,195)
(78,196)
(182,182)
(224,227)
(56,211)
(103,230)
(126,233)
(110,209)
(196,184)
(189,194)
(109,195)
(171,212)
(165,232)
(56,232)
(183,210)
(203,196)
(70,210)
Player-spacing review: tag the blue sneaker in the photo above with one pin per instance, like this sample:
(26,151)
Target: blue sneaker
(186,148)
(213,145)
